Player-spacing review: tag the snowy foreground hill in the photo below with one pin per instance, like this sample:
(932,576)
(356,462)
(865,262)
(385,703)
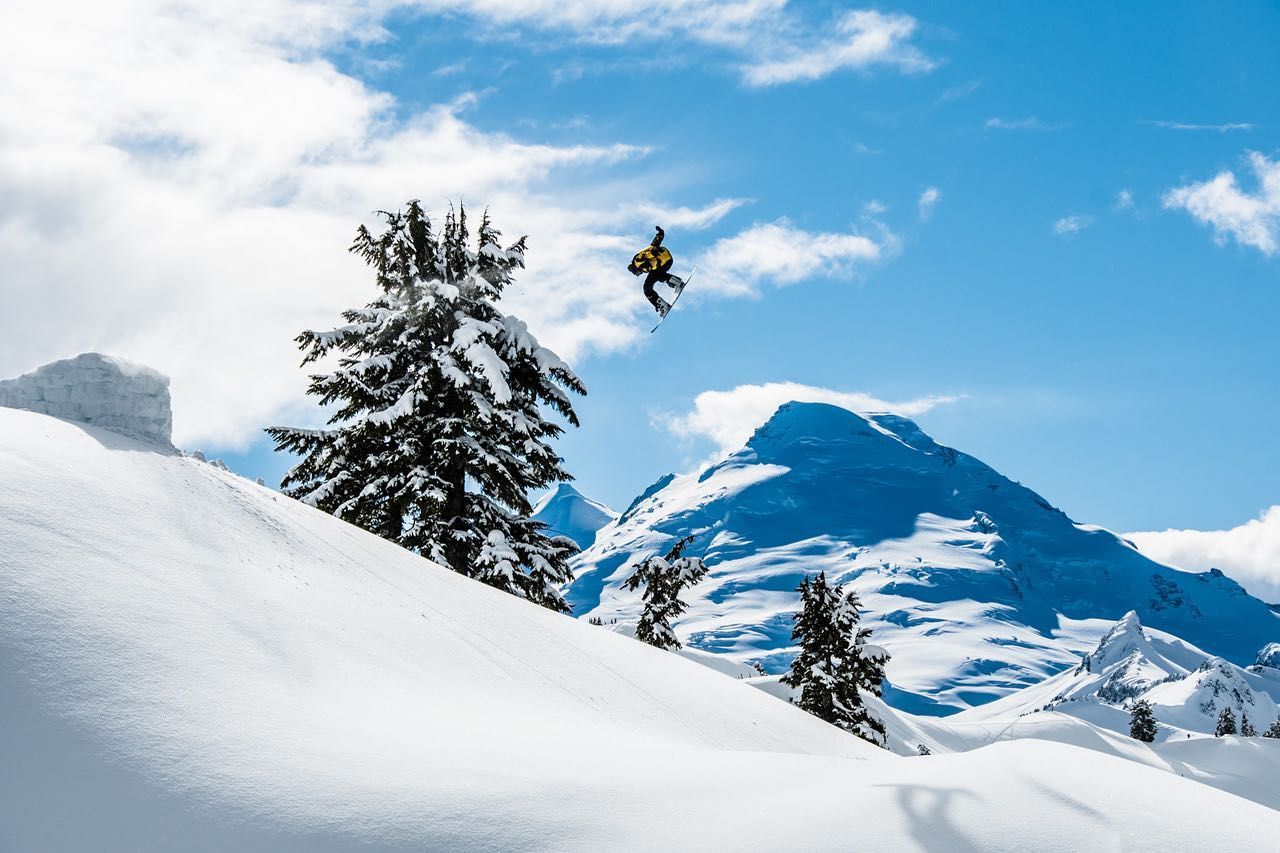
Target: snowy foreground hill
(977,585)
(192,662)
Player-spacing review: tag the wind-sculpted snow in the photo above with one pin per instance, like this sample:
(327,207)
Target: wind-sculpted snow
(192,662)
(977,585)
(97,389)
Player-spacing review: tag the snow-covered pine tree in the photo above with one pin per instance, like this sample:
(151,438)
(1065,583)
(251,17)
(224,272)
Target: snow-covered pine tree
(438,429)
(664,578)
(1273,730)
(1246,726)
(1142,722)
(834,663)
(1226,722)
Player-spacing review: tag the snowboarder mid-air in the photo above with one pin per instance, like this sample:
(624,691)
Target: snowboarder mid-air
(656,260)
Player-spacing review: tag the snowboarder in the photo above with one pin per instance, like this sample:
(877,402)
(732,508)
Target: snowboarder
(656,260)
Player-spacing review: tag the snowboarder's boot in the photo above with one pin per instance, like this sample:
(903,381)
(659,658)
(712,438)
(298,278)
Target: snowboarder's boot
(662,306)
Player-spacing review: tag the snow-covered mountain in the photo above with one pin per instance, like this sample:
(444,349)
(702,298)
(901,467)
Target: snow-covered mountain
(976,584)
(190,661)
(1186,686)
(568,512)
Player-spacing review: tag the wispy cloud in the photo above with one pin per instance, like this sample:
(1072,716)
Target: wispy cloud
(728,418)
(694,219)
(957,93)
(1033,123)
(1250,553)
(1252,219)
(770,42)
(779,253)
(1073,224)
(860,39)
(1220,128)
(928,200)
(1124,200)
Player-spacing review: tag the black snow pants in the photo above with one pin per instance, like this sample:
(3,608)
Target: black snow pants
(661,274)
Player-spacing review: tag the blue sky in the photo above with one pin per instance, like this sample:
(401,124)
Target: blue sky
(1126,370)
(1109,342)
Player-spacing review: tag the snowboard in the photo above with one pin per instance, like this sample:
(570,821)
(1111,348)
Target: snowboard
(674,299)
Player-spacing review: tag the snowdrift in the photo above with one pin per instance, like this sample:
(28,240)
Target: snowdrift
(189,661)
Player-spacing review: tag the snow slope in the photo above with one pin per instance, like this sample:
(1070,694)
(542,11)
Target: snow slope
(189,661)
(567,512)
(976,584)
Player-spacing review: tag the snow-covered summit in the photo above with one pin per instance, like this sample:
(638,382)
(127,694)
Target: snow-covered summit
(1185,686)
(976,584)
(1268,656)
(567,512)
(97,389)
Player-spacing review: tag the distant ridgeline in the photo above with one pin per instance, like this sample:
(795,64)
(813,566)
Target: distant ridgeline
(97,389)
(977,585)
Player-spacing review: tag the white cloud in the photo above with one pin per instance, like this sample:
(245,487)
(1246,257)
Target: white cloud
(781,254)
(860,39)
(1124,200)
(694,219)
(928,199)
(728,418)
(779,44)
(1073,224)
(1220,128)
(1250,553)
(1028,123)
(1253,219)
(178,185)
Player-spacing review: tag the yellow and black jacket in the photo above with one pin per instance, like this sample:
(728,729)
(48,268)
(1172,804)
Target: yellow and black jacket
(651,258)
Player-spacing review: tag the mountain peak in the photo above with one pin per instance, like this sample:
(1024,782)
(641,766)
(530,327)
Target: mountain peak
(806,426)
(568,512)
(1124,638)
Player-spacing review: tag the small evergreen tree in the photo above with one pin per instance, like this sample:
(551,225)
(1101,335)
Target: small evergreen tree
(1226,723)
(664,578)
(1142,722)
(834,664)
(1273,730)
(1246,726)
(438,430)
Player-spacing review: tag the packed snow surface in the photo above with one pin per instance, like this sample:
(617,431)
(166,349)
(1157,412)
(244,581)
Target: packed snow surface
(977,585)
(189,661)
(97,389)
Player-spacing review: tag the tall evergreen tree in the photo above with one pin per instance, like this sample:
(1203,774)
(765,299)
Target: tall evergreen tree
(664,578)
(438,429)
(834,663)
(1142,722)
(1226,722)
(1273,730)
(1246,726)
